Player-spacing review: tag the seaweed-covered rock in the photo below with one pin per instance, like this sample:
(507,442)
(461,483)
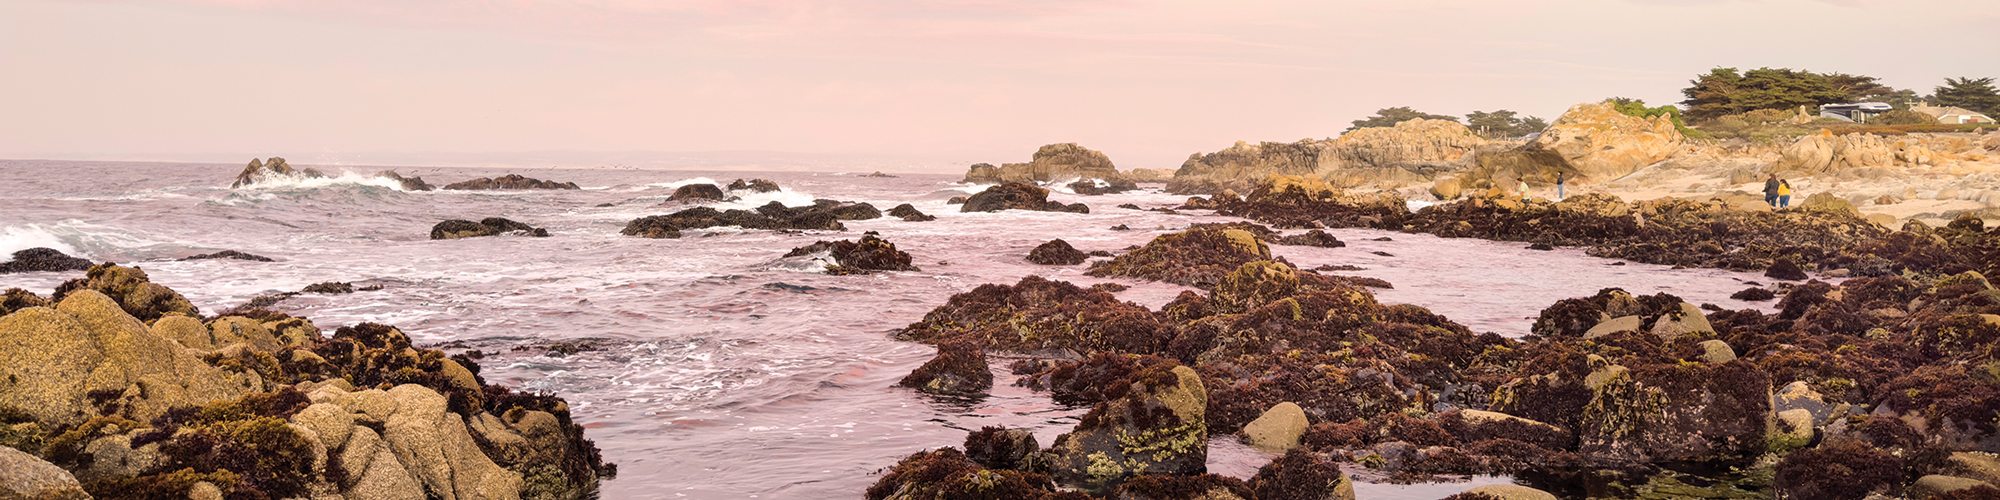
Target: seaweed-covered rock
(1198,257)
(15,299)
(1785,269)
(490,226)
(1754,294)
(910,213)
(1182,487)
(821,215)
(1158,426)
(753,185)
(958,370)
(509,181)
(863,256)
(697,192)
(1001,448)
(131,289)
(1278,428)
(1838,469)
(1057,253)
(43,260)
(229,254)
(947,473)
(1302,475)
(1038,313)
(1017,196)
(329,288)
(1313,238)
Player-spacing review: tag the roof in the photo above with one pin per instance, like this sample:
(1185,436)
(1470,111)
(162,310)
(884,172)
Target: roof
(1943,111)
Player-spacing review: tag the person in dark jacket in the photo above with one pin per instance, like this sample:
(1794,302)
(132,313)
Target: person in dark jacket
(1771,191)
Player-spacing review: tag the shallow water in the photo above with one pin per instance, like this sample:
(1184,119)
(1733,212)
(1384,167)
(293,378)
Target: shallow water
(723,372)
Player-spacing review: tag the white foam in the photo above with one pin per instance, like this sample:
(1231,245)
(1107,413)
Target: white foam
(275,182)
(966,187)
(747,199)
(1415,205)
(18,238)
(73,237)
(684,182)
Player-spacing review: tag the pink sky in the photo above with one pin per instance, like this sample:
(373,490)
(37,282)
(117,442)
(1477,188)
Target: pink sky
(933,85)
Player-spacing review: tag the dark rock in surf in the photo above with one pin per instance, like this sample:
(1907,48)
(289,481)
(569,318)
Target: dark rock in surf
(1057,253)
(510,182)
(1753,294)
(696,193)
(1129,206)
(839,209)
(753,185)
(1313,238)
(1121,227)
(1092,187)
(1001,448)
(910,213)
(15,299)
(407,183)
(1785,269)
(330,288)
(228,254)
(867,255)
(260,170)
(1017,196)
(958,370)
(1541,246)
(878,174)
(956,200)
(490,226)
(822,215)
(43,260)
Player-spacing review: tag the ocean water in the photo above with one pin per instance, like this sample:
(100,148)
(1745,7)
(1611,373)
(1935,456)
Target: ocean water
(720,370)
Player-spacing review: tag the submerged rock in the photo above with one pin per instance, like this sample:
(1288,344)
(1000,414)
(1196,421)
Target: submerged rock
(1017,196)
(229,254)
(509,181)
(868,254)
(43,260)
(490,226)
(910,213)
(1057,253)
(958,370)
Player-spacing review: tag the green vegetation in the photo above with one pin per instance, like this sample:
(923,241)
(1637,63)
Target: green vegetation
(1727,91)
(1389,117)
(1499,124)
(1638,108)
(1976,94)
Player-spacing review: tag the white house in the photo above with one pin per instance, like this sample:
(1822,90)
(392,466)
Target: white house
(1951,115)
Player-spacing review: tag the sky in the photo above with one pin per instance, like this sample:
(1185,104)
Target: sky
(902,85)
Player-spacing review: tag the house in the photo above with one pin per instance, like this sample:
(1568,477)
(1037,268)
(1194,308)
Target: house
(1858,112)
(1951,115)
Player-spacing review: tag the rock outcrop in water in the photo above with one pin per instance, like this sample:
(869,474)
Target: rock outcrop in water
(260,170)
(228,254)
(509,181)
(753,185)
(1198,257)
(863,256)
(958,370)
(407,183)
(1057,253)
(490,226)
(1017,196)
(910,213)
(118,382)
(1053,162)
(821,215)
(697,193)
(40,259)
(1409,152)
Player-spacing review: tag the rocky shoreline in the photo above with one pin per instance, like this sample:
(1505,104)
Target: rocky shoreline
(120,388)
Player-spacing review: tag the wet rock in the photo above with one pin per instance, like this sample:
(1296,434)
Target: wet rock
(510,182)
(1038,313)
(1121,227)
(1863,469)
(1753,294)
(1178,487)
(947,473)
(1716,352)
(697,193)
(1785,269)
(1198,257)
(490,226)
(329,288)
(822,215)
(407,183)
(228,254)
(43,260)
(1799,395)
(1794,430)
(131,289)
(1508,492)
(1541,246)
(1057,253)
(1313,238)
(868,254)
(910,213)
(957,200)
(1158,426)
(1614,325)
(878,174)
(1304,475)
(754,185)
(1983,466)
(1017,196)
(1001,448)
(260,170)
(958,370)
(1278,428)
(24,476)
(1098,187)
(15,299)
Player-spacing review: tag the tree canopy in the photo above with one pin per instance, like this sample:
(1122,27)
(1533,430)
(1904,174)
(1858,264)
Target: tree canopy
(1975,94)
(1726,91)
(1503,123)
(1389,117)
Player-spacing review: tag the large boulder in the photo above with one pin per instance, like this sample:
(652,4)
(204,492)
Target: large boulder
(1057,253)
(1038,313)
(697,193)
(1017,196)
(1595,142)
(261,170)
(25,477)
(1198,257)
(1408,153)
(1825,152)
(86,357)
(490,226)
(862,256)
(1054,162)
(1157,426)
(1241,166)
(509,181)
(43,260)
(958,370)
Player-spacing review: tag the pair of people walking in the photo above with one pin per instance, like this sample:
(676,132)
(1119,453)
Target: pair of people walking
(1777,192)
(1561,181)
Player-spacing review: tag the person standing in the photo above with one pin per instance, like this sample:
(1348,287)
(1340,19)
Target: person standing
(1559,186)
(1784,194)
(1771,191)
(1524,190)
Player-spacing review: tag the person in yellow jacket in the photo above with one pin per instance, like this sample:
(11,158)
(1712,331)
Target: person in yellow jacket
(1784,194)
(1524,191)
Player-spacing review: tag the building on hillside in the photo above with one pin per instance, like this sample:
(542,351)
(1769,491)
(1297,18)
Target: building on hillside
(1952,115)
(1858,112)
